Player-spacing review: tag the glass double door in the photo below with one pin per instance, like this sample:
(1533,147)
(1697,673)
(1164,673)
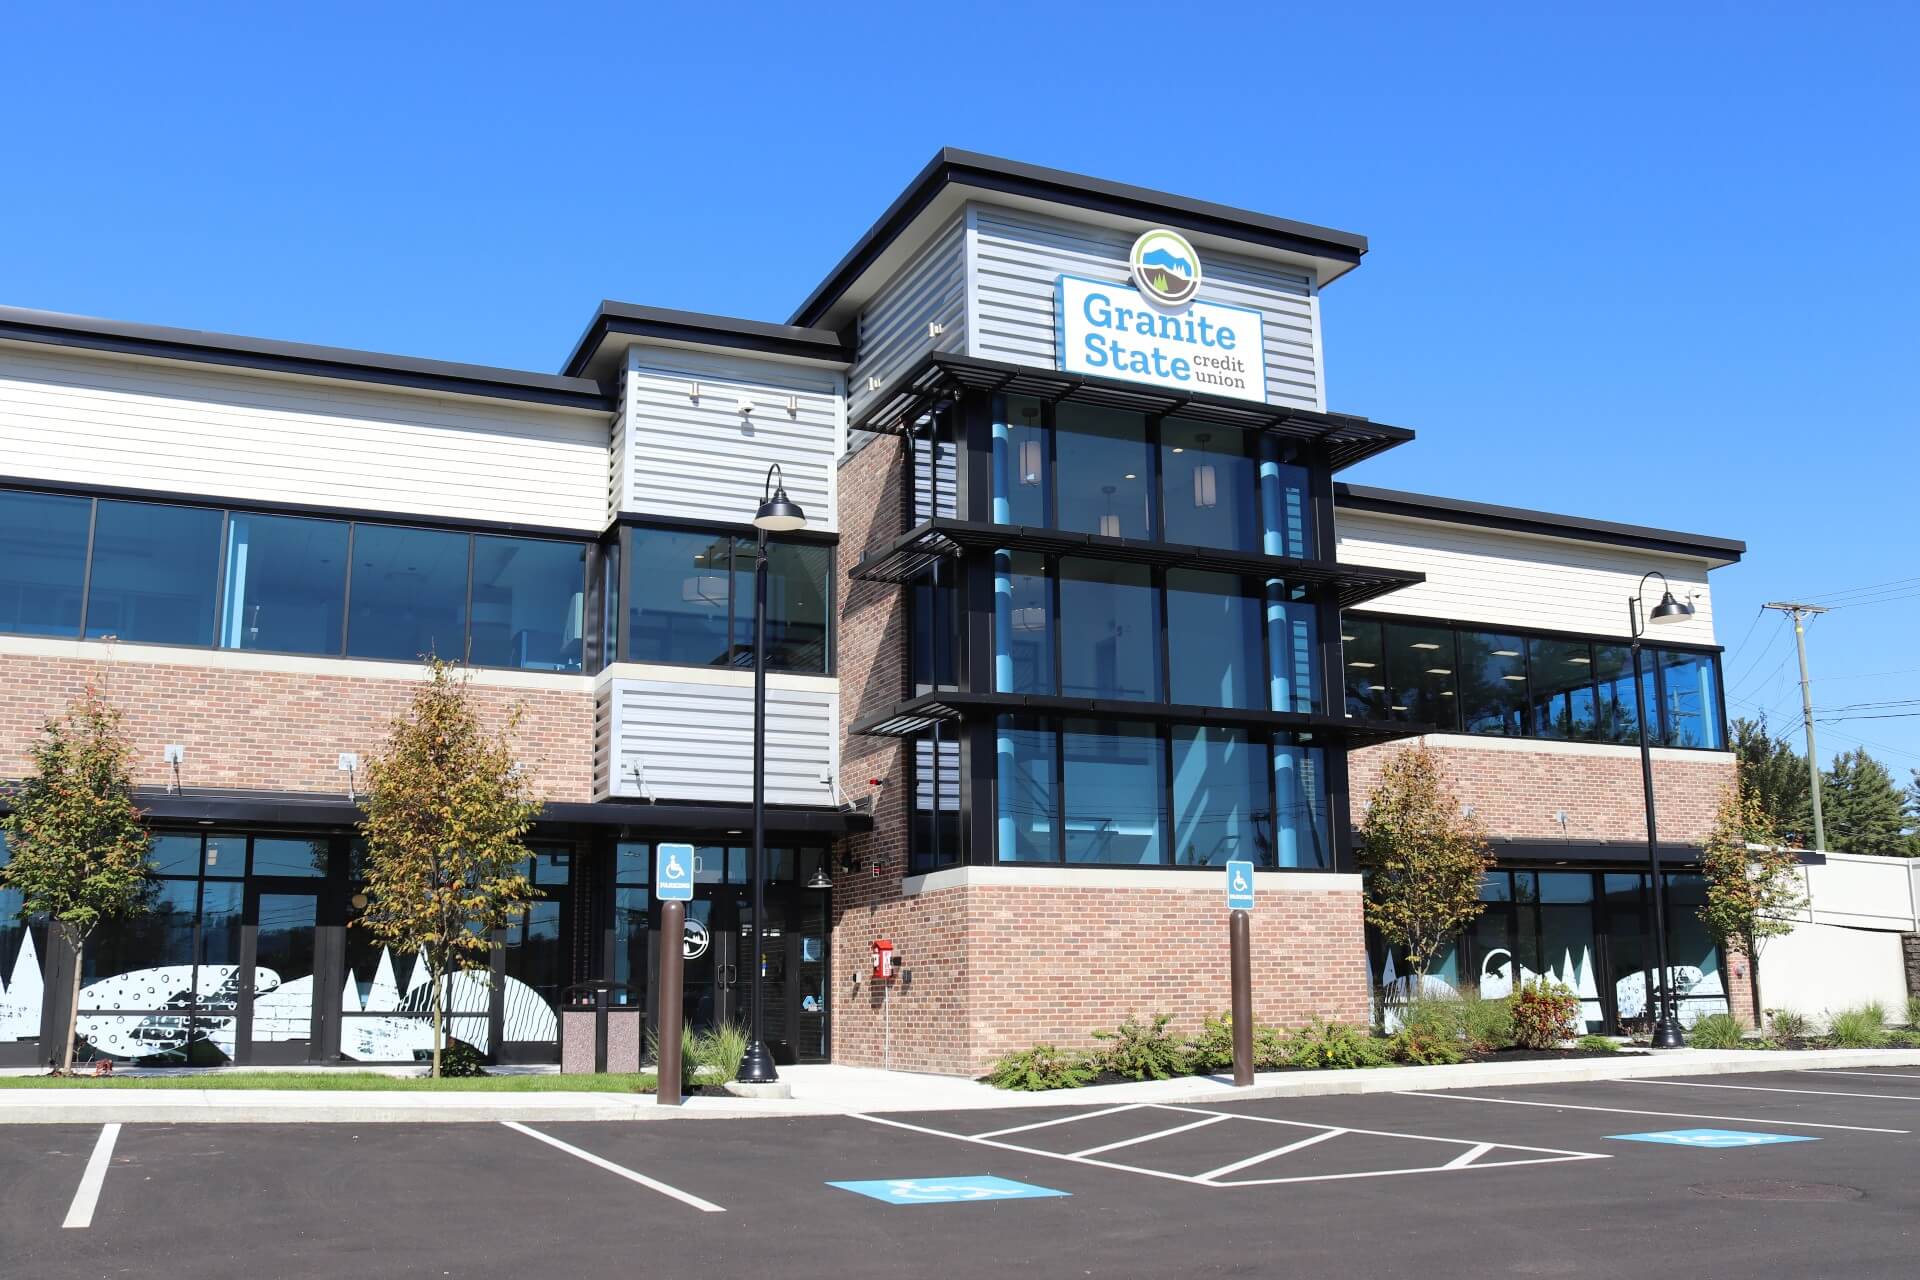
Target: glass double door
(718,959)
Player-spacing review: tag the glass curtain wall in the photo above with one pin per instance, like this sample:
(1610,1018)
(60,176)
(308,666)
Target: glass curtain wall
(690,601)
(23,951)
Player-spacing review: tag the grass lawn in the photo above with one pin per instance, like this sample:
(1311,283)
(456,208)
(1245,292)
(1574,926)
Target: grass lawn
(334,1081)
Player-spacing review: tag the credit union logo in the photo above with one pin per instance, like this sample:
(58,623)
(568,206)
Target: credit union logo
(1165,268)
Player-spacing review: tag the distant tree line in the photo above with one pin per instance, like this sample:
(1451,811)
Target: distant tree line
(1863,809)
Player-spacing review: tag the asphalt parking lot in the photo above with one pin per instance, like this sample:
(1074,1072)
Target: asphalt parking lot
(1783,1174)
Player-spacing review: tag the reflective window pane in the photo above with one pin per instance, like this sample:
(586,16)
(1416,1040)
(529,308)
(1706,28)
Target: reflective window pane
(43,562)
(935,837)
(155,571)
(1114,801)
(1366,673)
(677,593)
(1104,471)
(1023,618)
(1561,690)
(1208,485)
(1493,683)
(1690,708)
(1025,751)
(1421,683)
(286,584)
(1287,505)
(1109,631)
(1021,471)
(1613,708)
(1216,652)
(936,632)
(1294,638)
(286,857)
(174,855)
(1220,798)
(409,594)
(796,606)
(632,862)
(1303,832)
(528,603)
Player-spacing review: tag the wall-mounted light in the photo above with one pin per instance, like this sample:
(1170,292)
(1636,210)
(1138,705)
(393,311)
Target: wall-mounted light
(348,763)
(174,754)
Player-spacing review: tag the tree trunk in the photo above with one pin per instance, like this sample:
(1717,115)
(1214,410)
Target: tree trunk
(73,1005)
(439,992)
(1753,983)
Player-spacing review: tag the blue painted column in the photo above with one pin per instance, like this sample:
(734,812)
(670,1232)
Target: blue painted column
(1273,541)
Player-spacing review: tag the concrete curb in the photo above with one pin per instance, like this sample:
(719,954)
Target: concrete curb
(273,1106)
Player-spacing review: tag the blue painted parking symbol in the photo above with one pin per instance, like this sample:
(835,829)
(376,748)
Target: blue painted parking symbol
(946,1190)
(1713,1139)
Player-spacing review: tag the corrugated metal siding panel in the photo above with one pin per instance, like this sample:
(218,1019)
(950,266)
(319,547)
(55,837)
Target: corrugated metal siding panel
(602,743)
(1018,258)
(893,329)
(694,741)
(924,465)
(619,470)
(192,429)
(1485,576)
(700,458)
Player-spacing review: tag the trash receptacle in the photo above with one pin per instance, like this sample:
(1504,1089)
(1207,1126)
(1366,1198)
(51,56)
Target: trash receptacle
(601,1028)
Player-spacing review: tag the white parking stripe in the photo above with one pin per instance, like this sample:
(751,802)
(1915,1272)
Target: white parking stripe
(87,1195)
(1636,1111)
(1027,1151)
(1377,1133)
(652,1184)
(1466,1158)
(1250,1161)
(1149,1137)
(1760,1088)
(1043,1124)
(1913,1078)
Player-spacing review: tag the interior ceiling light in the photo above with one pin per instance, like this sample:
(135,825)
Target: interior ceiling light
(1178,449)
(1513,677)
(1129,476)
(1446,693)
(1439,671)
(1362,666)
(1422,644)
(1398,707)
(1348,639)
(1506,653)
(1580,662)
(1377,688)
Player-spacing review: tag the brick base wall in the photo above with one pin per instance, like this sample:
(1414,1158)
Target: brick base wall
(249,729)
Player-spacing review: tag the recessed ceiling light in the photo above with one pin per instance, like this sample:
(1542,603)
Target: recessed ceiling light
(1363,666)
(1178,449)
(1398,707)
(1513,677)
(1348,638)
(1439,671)
(1506,653)
(1131,476)
(1446,693)
(1582,662)
(1377,688)
(1422,644)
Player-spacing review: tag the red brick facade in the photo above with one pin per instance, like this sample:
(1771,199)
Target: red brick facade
(274,731)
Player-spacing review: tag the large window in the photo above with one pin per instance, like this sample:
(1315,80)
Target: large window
(1023,620)
(1109,631)
(1464,680)
(1215,654)
(1091,469)
(1124,794)
(158,573)
(690,599)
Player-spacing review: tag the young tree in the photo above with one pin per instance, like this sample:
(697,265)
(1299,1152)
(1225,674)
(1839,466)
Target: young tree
(1753,884)
(1423,857)
(79,849)
(1862,808)
(1776,776)
(446,809)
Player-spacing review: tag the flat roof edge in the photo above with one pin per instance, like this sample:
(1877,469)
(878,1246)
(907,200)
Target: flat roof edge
(120,337)
(702,329)
(953,167)
(1545,523)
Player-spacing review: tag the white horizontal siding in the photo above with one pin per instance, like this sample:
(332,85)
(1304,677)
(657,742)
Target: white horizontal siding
(1519,580)
(893,330)
(698,457)
(86,418)
(693,740)
(1017,259)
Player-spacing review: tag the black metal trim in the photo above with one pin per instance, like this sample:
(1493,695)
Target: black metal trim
(733,528)
(912,715)
(696,328)
(1484,515)
(1542,633)
(1342,438)
(953,167)
(119,337)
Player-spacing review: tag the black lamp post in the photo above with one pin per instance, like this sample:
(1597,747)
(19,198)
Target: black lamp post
(778,514)
(1666,1026)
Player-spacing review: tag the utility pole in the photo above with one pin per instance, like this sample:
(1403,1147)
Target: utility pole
(1800,613)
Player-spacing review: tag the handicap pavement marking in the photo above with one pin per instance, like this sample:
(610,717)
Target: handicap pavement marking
(1715,1139)
(959,1190)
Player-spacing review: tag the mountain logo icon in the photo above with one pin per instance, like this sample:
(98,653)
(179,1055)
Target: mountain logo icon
(1165,268)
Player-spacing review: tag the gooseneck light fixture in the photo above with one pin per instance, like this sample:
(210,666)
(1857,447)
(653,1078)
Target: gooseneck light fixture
(1666,1026)
(777,514)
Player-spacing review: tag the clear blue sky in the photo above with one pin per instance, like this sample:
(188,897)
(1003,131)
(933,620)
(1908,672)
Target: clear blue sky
(1650,264)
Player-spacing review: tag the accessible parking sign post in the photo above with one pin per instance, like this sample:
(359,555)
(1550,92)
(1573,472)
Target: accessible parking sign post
(673,885)
(1240,946)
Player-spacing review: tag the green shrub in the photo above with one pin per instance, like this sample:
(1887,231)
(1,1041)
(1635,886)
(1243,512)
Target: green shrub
(1862,1028)
(1543,1014)
(1716,1031)
(1142,1050)
(1486,1024)
(1324,1044)
(1210,1051)
(1787,1025)
(1913,1012)
(1042,1067)
(1903,1039)
(460,1060)
(1270,1049)
(1433,1017)
(1597,1044)
(1427,1045)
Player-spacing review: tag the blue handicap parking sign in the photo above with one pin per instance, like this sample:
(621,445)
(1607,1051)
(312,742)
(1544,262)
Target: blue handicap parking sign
(946,1190)
(1714,1139)
(1239,886)
(673,872)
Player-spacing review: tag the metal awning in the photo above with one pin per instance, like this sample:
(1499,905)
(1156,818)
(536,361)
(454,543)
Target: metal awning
(905,719)
(941,376)
(913,552)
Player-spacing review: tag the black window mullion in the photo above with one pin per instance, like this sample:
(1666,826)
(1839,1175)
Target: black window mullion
(1656,680)
(220,578)
(466,621)
(346,605)
(1156,494)
(1157,590)
(86,570)
(1059,792)
(1170,848)
(1527,725)
(1049,501)
(1050,571)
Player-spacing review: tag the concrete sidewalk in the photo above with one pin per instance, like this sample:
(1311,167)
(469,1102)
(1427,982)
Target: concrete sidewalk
(839,1090)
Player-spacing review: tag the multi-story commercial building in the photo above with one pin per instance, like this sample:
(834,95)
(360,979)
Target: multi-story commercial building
(1082,610)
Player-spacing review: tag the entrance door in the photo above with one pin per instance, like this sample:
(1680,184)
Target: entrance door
(712,986)
(280,1021)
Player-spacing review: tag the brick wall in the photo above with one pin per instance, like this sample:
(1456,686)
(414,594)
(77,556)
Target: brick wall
(274,731)
(1516,791)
